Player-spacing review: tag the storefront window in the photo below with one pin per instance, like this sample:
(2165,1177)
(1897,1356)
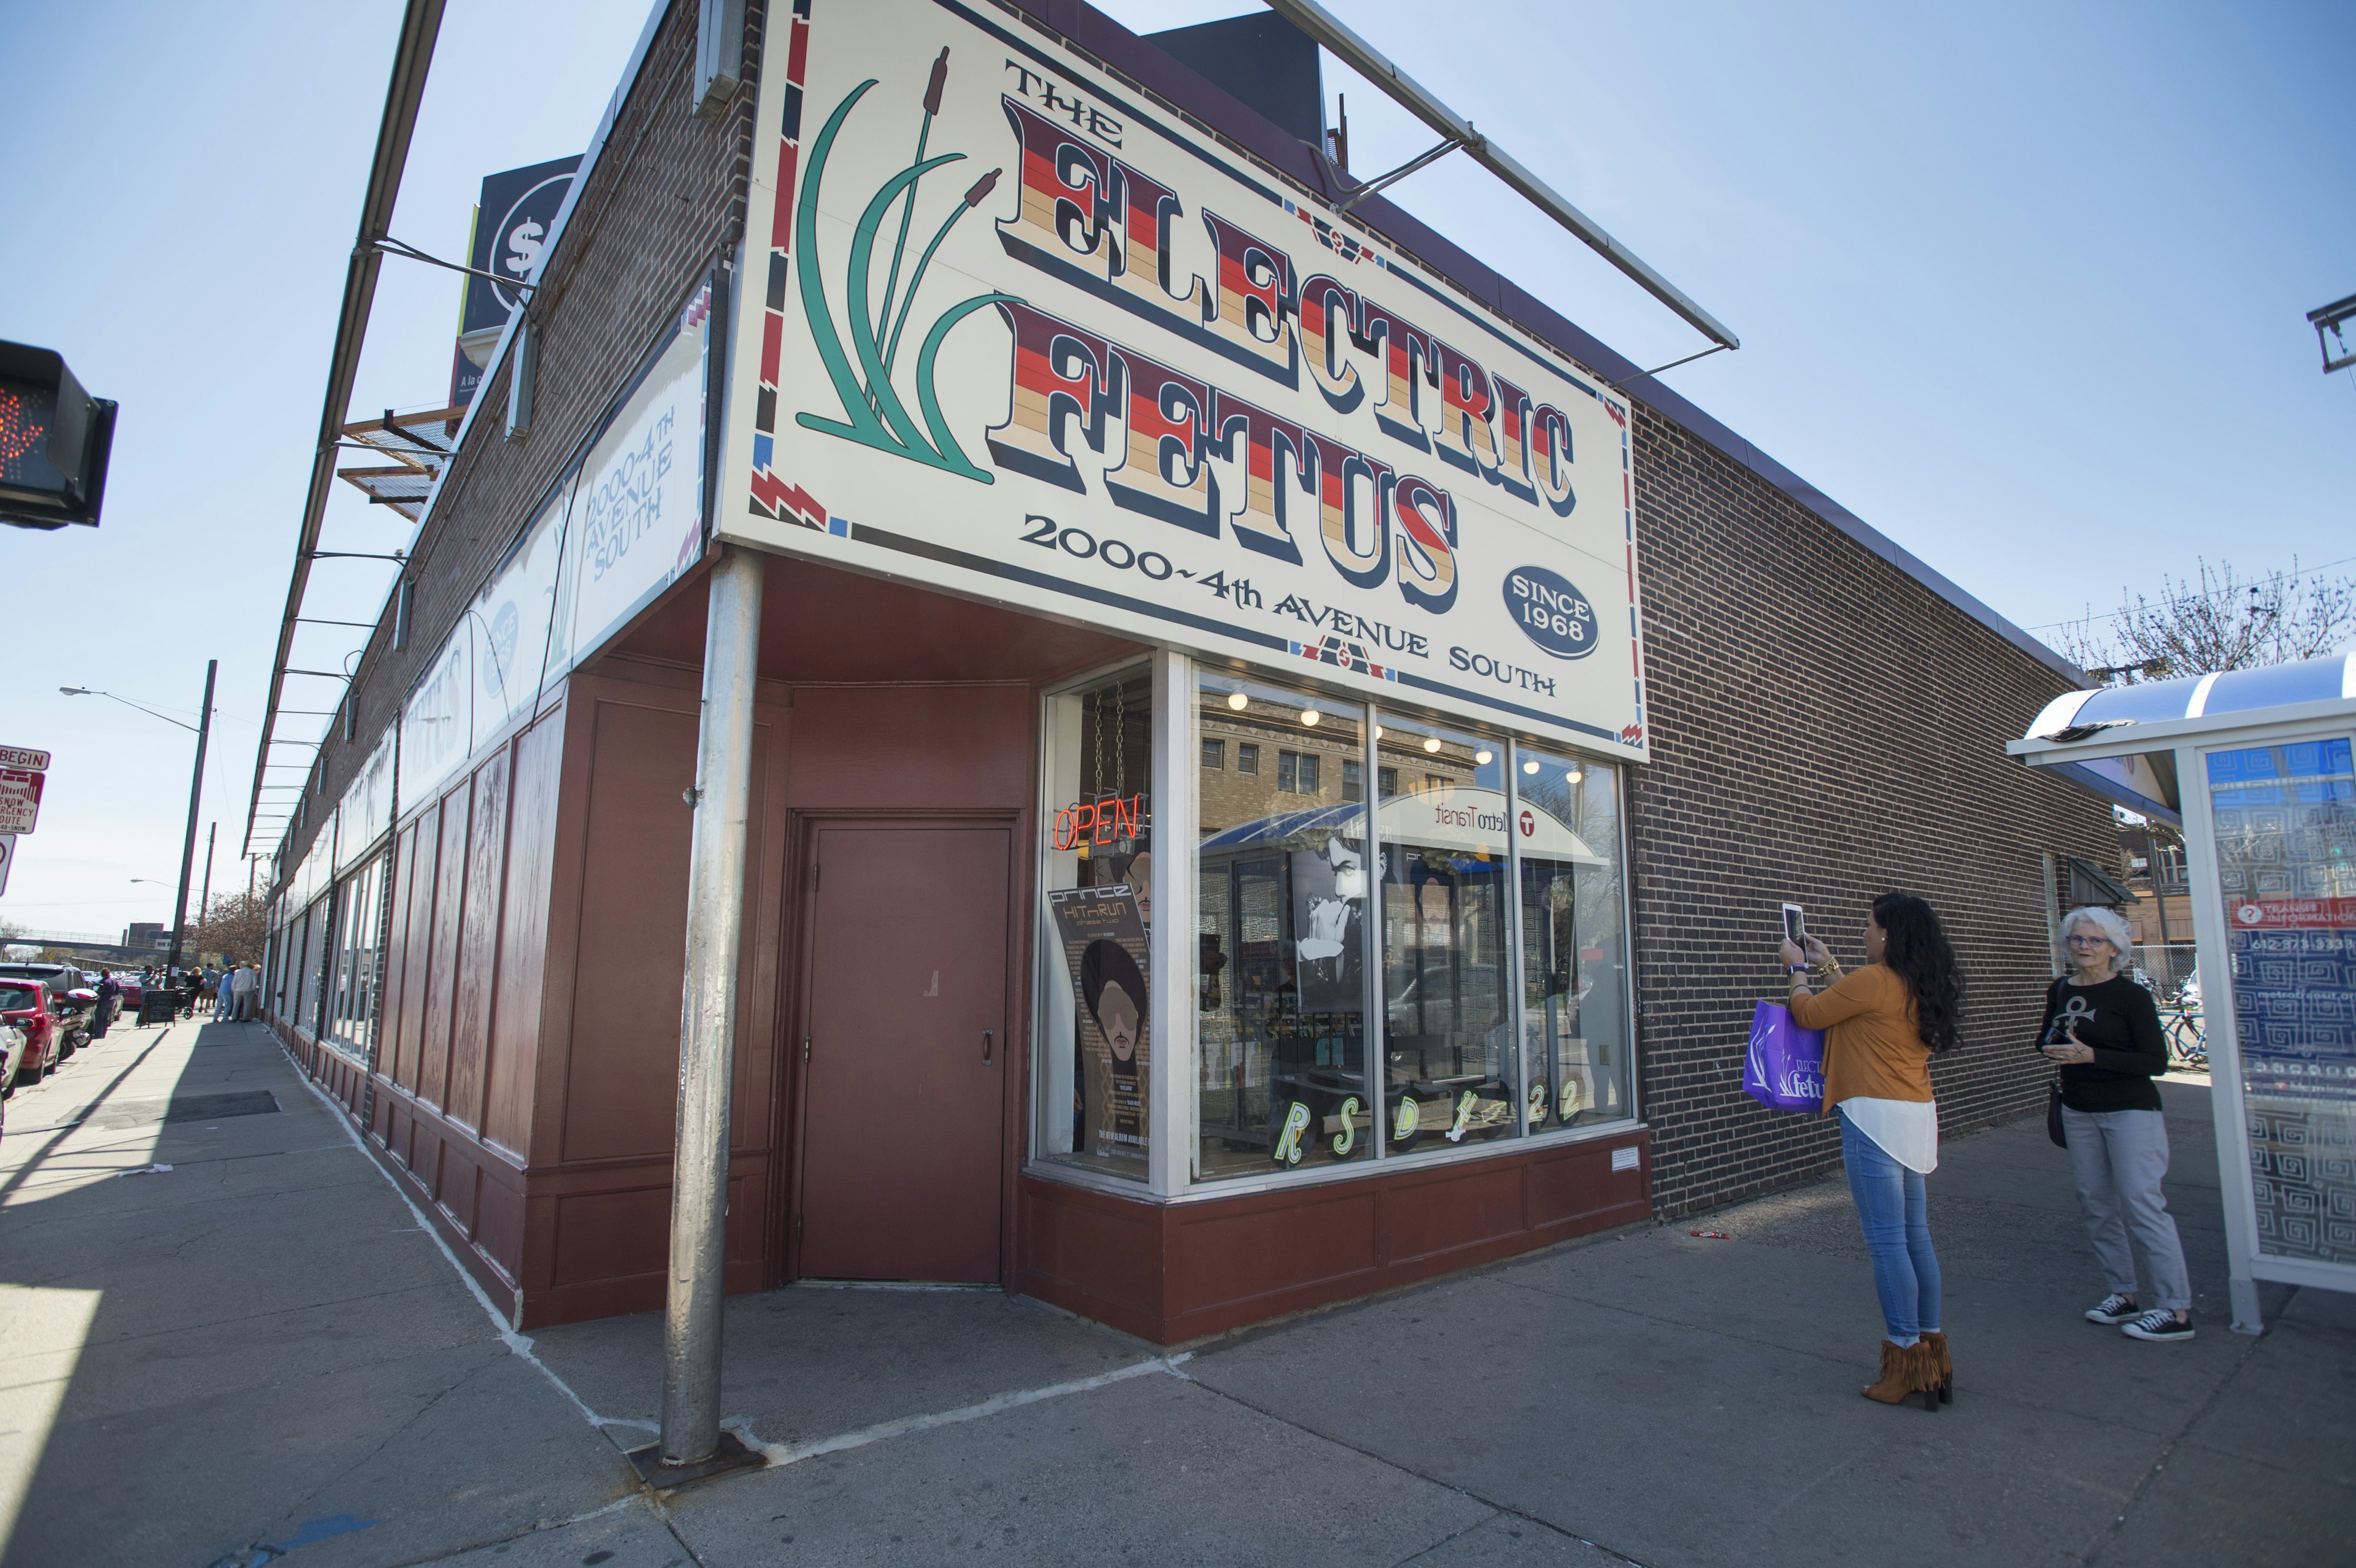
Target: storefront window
(1451,1075)
(1280,910)
(315,934)
(1574,948)
(351,1009)
(1093,1065)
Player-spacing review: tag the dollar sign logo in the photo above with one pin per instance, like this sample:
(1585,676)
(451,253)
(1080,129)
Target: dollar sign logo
(523,247)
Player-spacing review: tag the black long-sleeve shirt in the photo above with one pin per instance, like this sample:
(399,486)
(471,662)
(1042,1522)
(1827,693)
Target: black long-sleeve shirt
(2121,1022)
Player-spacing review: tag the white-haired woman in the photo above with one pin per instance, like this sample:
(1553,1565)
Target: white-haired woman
(2102,1030)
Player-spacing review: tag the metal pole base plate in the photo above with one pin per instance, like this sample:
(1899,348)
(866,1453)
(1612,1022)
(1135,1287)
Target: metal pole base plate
(730,1456)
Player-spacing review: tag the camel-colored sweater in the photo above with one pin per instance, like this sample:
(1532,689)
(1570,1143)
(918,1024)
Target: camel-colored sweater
(1872,1050)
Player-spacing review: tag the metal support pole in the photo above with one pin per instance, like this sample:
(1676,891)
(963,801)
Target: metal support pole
(707,1021)
(188,845)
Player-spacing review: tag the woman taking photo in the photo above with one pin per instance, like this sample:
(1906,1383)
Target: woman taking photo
(2103,1031)
(1881,1023)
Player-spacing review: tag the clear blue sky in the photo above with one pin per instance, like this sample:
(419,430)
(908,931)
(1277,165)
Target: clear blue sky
(2022,285)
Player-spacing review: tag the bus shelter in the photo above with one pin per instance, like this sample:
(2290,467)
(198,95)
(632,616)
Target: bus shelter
(2256,767)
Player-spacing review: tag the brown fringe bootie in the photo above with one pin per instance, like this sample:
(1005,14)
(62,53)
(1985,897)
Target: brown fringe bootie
(1906,1372)
(1946,1367)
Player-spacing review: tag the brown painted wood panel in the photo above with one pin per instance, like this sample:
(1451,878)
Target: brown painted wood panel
(478,941)
(917,748)
(1448,1209)
(418,967)
(1233,1262)
(400,869)
(523,941)
(622,1078)
(441,990)
(1242,1251)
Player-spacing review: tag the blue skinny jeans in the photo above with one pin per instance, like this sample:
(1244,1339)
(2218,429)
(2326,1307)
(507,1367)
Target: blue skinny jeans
(1890,1207)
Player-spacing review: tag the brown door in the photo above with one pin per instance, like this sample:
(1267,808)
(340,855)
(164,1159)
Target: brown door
(903,1101)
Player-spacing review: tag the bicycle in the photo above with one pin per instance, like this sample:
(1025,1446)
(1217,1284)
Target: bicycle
(2188,1045)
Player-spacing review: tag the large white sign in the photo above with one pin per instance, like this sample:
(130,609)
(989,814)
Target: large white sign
(1018,333)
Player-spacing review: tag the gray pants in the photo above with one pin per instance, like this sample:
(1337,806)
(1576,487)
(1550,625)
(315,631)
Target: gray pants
(2118,1158)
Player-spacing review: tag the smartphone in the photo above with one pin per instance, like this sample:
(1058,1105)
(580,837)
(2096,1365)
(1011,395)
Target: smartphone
(1794,928)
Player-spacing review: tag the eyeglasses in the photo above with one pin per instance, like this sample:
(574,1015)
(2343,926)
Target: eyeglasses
(2089,941)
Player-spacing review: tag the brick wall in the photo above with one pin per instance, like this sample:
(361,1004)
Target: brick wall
(667,195)
(1823,728)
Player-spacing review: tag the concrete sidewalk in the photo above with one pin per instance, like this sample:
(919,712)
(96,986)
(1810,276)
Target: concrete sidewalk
(260,1354)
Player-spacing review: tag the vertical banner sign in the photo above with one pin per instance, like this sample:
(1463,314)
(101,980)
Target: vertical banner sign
(1015,332)
(1103,934)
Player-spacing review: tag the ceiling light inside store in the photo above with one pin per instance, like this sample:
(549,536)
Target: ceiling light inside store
(1238,701)
(1432,743)
(1378,731)
(1310,716)
(1531,766)
(1571,777)
(1483,757)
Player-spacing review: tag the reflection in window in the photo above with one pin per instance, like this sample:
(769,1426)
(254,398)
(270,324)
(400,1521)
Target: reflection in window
(1451,1073)
(1574,949)
(1280,926)
(1093,1064)
(1215,755)
(351,999)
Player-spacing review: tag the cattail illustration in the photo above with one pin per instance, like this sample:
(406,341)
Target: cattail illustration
(876,415)
(940,80)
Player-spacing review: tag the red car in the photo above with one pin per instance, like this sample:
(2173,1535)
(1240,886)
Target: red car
(134,991)
(24,1004)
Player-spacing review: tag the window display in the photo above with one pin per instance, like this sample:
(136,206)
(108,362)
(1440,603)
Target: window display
(1451,1075)
(1574,953)
(1281,908)
(1093,1067)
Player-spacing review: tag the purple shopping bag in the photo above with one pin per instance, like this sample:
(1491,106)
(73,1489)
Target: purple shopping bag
(1784,1068)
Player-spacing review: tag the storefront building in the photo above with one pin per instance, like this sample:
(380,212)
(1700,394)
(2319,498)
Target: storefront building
(1273,774)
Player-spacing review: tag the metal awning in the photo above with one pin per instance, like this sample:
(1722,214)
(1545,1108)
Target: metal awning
(2119,741)
(420,445)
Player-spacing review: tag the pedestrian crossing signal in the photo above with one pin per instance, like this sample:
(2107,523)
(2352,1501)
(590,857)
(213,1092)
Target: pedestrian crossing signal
(55,439)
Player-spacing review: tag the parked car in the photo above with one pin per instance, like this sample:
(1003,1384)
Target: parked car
(134,991)
(24,1008)
(71,1002)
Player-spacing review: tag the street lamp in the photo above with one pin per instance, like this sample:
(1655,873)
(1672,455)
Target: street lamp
(204,729)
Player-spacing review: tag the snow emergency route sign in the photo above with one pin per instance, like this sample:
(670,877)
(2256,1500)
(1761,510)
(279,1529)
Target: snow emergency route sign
(20,799)
(1013,331)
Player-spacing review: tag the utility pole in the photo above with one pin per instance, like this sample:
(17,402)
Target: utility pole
(205,899)
(188,845)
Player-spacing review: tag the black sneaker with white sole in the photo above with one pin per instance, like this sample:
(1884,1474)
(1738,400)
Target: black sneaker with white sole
(2115,1308)
(2158,1325)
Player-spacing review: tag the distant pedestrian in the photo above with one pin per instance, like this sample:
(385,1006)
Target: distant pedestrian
(1881,1025)
(2102,1030)
(248,983)
(110,1001)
